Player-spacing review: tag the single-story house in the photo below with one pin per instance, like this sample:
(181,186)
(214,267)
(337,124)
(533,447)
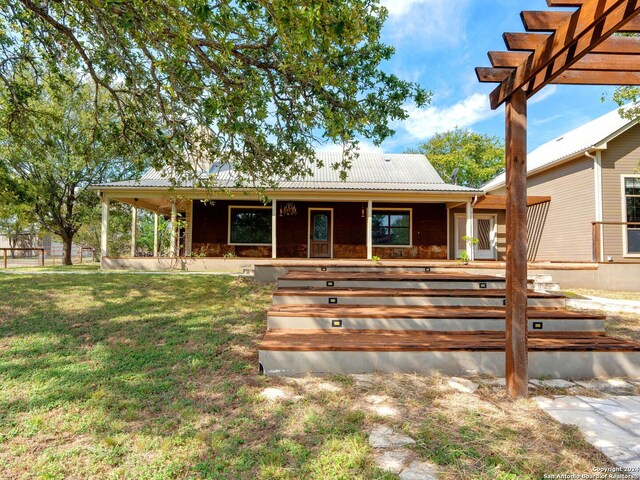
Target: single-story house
(390,206)
(592,176)
(583,203)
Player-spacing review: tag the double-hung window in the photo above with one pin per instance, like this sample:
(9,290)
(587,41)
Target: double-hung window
(391,228)
(632,214)
(250,225)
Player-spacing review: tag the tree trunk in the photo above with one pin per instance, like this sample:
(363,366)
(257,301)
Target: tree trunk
(67,242)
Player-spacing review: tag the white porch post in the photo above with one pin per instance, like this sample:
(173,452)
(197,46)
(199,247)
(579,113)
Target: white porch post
(174,217)
(469,233)
(134,229)
(155,234)
(274,236)
(369,230)
(104,239)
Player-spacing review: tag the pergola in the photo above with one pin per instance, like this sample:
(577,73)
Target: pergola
(573,46)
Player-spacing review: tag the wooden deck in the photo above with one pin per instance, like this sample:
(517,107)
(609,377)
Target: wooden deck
(404,292)
(400,341)
(420,311)
(310,275)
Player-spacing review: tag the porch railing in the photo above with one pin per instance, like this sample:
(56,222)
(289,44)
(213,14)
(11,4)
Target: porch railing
(596,234)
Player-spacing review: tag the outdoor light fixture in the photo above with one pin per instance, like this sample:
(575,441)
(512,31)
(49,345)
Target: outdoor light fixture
(289,210)
(362,212)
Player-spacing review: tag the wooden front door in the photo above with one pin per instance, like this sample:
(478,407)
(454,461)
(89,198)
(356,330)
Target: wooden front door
(320,234)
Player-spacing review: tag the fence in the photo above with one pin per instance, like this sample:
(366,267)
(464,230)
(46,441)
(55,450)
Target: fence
(47,256)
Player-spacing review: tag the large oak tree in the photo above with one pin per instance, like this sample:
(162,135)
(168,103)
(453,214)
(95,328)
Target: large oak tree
(253,83)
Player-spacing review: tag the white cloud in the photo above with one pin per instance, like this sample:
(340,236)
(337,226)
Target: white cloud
(425,122)
(428,24)
(401,7)
(545,93)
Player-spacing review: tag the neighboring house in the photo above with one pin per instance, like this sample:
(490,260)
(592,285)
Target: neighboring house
(391,206)
(591,174)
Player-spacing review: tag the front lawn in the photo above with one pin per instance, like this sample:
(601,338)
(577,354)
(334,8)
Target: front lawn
(155,376)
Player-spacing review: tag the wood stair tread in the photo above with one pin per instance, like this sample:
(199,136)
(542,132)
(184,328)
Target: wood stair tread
(401,292)
(405,341)
(309,275)
(420,311)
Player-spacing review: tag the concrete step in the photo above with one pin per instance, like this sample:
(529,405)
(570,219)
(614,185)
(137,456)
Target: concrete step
(395,280)
(407,296)
(541,278)
(298,352)
(444,319)
(547,287)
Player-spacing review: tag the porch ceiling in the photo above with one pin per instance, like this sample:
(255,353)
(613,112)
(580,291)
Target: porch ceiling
(499,202)
(160,205)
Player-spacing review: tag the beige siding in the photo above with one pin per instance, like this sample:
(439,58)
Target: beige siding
(561,230)
(620,158)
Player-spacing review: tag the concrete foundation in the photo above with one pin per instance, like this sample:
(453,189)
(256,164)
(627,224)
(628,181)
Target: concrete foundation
(541,364)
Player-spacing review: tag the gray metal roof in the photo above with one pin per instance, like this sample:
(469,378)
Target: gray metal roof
(370,171)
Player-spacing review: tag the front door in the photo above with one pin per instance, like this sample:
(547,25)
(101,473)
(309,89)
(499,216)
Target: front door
(320,235)
(483,229)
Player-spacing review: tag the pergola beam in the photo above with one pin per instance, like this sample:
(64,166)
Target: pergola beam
(593,61)
(587,27)
(550,21)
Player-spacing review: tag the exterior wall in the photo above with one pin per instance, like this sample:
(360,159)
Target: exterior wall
(561,229)
(621,157)
(429,231)
(210,231)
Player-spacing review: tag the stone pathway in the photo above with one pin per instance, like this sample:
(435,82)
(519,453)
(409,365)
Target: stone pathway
(611,424)
(392,456)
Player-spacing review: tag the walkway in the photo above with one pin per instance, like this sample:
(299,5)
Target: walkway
(611,424)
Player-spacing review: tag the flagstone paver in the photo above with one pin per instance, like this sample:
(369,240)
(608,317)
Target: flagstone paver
(610,424)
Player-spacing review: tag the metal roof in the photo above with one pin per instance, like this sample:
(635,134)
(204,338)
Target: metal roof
(370,171)
(589,136)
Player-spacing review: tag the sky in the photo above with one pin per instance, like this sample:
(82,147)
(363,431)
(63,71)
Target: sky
(439,43)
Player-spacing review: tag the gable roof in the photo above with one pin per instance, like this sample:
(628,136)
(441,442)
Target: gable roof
(591,135)
(370,171)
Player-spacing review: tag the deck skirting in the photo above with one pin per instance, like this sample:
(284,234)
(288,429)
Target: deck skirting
(555,364)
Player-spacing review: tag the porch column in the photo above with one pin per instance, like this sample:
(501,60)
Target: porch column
(516,360)
(155,234)
(172,241)
(274,216)
(369,230)
(104,238)
(134,229)
(469,230)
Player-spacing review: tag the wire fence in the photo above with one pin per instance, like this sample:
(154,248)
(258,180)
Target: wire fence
(43,257)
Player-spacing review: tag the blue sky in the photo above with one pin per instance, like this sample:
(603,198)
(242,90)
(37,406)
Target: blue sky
(439,43)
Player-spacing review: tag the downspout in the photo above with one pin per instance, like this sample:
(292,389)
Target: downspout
(597,174)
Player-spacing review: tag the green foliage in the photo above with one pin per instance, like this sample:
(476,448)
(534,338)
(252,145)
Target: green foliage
(478,157)
(60,142)
(254,84)
(464,257)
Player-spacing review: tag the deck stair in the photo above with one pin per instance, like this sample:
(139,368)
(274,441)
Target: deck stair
(418,321)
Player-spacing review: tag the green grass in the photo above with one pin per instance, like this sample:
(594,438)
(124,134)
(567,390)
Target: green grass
(155,377)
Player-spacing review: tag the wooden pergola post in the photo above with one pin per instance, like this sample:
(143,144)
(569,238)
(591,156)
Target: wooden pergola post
(516,362)
(573,46)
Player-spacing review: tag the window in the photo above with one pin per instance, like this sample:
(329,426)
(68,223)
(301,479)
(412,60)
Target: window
(392,227)
(632,207)
(250,226)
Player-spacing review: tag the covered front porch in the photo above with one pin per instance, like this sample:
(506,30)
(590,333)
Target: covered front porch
(407,226)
